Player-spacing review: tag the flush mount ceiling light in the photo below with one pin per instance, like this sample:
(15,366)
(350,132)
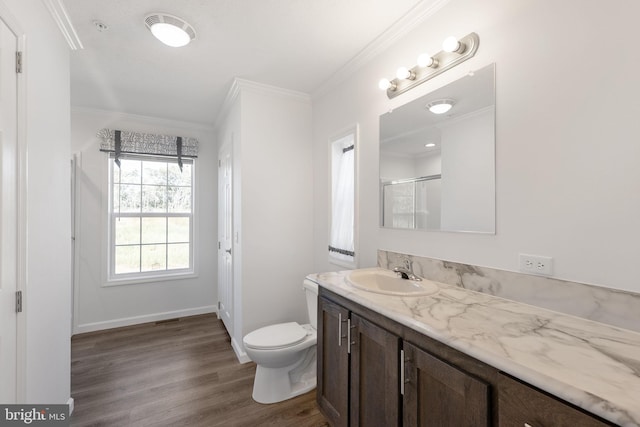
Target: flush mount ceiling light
(454,51)
(440,106)
(170,29)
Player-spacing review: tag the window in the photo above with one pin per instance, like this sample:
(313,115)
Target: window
(150,217)
(342,237)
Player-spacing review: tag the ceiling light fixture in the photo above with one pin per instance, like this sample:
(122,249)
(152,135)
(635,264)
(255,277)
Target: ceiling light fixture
(440,106)
(170,29)
(430,145)
(454,51)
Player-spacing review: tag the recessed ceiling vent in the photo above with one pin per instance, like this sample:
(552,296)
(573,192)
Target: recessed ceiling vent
(172,23)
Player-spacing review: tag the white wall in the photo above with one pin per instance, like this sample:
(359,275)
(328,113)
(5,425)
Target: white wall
(102,307)
(566,127)
(45,371)
(273,203)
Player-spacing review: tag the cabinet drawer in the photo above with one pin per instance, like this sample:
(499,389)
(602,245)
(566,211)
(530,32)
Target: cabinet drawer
(523,406)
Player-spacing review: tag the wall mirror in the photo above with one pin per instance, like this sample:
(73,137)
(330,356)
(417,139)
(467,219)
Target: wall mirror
(437,171)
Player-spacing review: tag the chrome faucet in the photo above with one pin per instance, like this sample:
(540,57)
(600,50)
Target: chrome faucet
(406,272)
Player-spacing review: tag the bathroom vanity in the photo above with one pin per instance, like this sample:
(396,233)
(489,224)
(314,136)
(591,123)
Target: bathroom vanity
(462,358)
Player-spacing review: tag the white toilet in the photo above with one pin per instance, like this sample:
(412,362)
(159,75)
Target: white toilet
(285,354)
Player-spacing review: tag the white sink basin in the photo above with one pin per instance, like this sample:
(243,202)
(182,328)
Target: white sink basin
(387,282)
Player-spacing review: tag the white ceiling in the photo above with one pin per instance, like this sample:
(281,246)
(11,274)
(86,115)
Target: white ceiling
(292,44)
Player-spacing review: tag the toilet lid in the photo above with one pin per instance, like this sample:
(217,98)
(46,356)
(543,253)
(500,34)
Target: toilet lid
(276,336)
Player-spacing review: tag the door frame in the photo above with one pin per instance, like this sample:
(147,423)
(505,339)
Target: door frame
(21,272)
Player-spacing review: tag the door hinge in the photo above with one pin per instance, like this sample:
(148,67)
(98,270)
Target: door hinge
(18,62)
(218,245)
(219,163)
(219,306)
(18,301)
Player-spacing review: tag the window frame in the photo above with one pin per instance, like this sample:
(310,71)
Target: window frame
(113,279)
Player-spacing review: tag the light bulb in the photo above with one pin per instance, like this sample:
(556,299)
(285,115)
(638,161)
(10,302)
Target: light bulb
(170,34)
(384,84)
(451,44)
(440,106)
(425,60)
(404,73)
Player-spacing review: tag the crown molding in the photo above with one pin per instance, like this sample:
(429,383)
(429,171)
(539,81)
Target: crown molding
(150,120)
(238,85)
(412,19)
(61,17)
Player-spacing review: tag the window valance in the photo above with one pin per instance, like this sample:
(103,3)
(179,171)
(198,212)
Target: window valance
(126,142)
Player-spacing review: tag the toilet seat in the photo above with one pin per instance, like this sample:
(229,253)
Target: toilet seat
(276,336)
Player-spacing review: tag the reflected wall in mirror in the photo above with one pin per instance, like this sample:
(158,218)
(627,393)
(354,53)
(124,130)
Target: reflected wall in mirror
(437,171)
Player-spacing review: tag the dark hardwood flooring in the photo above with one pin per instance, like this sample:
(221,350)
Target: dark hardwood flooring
(175,373)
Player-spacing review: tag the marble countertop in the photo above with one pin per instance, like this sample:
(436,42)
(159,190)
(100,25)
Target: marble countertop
(592,365)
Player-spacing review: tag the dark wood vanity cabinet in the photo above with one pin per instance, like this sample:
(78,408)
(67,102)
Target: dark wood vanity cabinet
(439,394)
(357,369)
(333,363)
(361,378)
(522,405)
(375,385)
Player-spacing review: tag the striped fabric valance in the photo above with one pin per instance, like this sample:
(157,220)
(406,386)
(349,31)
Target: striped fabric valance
(126,142)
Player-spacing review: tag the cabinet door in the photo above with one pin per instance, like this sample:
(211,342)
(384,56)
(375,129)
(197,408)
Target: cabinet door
(440,395)
(333,363)
(375,386)
(521,405)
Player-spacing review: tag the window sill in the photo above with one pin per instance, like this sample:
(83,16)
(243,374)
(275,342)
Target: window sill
(149,279)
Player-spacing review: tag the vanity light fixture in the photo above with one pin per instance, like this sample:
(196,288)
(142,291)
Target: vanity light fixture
(454,51)
(169,29)
(440,106)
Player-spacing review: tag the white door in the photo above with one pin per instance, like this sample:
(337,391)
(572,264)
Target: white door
(8,213)
(225,236)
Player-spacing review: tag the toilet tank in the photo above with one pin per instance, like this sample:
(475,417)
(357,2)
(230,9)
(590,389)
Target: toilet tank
(311,291)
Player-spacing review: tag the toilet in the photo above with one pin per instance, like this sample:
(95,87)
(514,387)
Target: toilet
(285,355)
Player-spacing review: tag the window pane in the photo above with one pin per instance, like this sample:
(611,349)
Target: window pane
(127,231)
(127,259)
(153,198)
(154,257)
(154,230)
(128,173)
(178,256)
(154,173)
(126,198)
(179,199)
(178,230)
(180,178)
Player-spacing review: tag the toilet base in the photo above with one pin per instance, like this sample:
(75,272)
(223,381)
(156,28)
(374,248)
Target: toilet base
(272,385)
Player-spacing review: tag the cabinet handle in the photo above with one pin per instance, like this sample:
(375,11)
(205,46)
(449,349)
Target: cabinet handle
(340,336)
(403,377)
(349,327)
(402,372)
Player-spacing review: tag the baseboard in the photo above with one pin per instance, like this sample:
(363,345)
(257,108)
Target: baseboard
(240,353)
(136,320)
(71,404)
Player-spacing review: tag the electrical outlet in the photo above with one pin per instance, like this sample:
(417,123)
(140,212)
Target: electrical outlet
(536,264)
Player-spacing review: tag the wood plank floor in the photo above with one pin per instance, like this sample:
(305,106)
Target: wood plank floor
(175,373)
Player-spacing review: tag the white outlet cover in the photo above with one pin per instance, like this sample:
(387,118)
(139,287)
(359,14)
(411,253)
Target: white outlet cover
(536,264)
